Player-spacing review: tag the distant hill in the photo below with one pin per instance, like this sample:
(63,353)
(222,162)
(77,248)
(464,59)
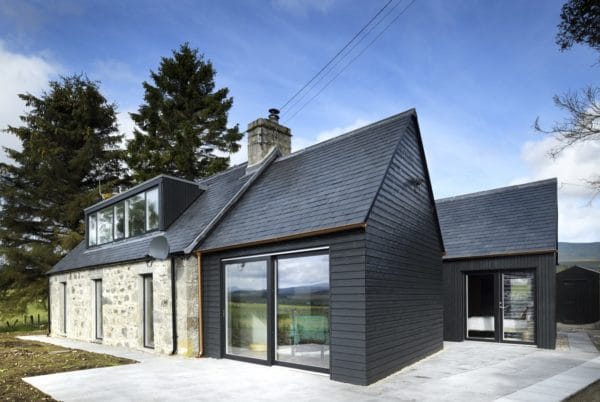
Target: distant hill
(583,254)
(578,251)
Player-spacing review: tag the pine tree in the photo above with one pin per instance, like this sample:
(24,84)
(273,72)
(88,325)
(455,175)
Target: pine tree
(182,116)
(69,145)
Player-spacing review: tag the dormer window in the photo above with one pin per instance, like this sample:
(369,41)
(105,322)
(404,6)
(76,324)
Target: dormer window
(131,217)
(152,205)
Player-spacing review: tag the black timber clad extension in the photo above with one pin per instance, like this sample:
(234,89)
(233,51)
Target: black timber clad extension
(404,265)
(545,277)
(578,296)
(347,299)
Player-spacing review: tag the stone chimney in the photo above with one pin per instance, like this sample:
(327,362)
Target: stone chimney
(266,134)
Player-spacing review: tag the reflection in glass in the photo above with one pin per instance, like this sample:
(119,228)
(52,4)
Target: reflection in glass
(303,310)
(518,313)
(136,209)
(246,309)
(119,220)
(152,209)
(92,230)
(105,225)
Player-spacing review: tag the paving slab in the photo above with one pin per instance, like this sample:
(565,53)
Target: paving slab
(463,371)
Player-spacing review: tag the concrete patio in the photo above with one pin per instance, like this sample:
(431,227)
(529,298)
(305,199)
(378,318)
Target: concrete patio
(466,371)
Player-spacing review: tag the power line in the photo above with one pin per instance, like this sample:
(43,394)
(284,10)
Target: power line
(336,55)
(351,61)
(340,59)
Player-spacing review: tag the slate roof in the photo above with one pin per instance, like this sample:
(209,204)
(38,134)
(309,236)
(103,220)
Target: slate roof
(330,184)
(327,185)
(220,188)
(513,219)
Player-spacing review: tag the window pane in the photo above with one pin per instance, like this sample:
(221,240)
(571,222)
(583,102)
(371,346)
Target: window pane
(136,208)
(518,314)
(119,220)
(246,309)
(152,209)
(105,225)
(303,310)
(148,312)
(92,230)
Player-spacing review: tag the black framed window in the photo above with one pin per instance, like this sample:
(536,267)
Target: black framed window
(148,311)
(276,309)
(134,216)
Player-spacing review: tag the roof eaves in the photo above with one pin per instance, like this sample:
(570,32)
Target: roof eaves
(219,216)
(499,254)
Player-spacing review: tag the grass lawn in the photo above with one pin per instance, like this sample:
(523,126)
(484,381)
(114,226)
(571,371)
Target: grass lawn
(20,358)
(22,322)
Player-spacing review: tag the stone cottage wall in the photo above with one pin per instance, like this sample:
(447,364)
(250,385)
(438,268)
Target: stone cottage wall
(123,305)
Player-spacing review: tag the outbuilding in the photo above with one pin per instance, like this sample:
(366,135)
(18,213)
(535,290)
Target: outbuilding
(578,295)
(500,264)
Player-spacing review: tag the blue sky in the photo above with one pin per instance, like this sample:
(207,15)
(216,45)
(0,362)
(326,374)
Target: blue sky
(477,72)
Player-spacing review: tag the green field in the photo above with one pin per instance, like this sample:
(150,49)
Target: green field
(23,322)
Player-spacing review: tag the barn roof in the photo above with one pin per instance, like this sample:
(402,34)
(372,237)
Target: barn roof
(507,220)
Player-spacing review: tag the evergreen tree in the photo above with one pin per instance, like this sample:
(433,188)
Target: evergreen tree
(182,118)
(69,145)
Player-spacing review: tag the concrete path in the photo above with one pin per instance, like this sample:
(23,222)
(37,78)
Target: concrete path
(465,371)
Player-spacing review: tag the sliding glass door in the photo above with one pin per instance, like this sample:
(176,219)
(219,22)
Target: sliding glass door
(246,309)
(500,306)
(277,309)
(518,312)
(303,310)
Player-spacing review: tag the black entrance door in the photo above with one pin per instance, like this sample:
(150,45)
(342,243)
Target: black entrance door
(500,306)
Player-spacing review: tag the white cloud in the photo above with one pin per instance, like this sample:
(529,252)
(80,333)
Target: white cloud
(126,125)
(334,132)
(303,7)
(19,73)
(578,211)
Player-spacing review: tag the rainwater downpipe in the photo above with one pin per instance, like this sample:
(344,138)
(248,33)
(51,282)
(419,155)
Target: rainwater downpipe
(200,324)
(174,305)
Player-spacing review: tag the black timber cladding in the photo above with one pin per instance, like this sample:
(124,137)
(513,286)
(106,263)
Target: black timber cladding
(578,295)
(545,302)
(347,299)
(504,220)
(404,265)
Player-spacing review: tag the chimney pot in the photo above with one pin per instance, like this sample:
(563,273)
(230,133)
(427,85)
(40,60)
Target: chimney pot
(274,114)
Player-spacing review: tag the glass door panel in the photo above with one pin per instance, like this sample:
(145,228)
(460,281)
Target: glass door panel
(302,310)
(518,307)
(481,306)
(246,318)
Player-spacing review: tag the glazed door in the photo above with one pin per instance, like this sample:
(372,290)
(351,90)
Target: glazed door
(500,306)
(518,307)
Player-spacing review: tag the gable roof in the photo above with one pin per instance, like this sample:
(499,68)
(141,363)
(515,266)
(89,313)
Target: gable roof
(507,220)
(330,185)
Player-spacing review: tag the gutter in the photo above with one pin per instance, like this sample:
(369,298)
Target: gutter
(173,306)
(506,254)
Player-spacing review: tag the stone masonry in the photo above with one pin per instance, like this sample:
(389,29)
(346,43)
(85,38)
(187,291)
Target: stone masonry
(122,305)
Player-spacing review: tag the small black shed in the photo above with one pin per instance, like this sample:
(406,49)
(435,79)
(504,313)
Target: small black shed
(578,295)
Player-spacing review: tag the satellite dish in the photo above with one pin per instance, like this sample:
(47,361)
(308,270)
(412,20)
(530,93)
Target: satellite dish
(159,248)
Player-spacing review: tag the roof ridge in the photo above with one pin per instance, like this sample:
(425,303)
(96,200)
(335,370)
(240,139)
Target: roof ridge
(230,204)
(349,134)
(498,190)
(221,173)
